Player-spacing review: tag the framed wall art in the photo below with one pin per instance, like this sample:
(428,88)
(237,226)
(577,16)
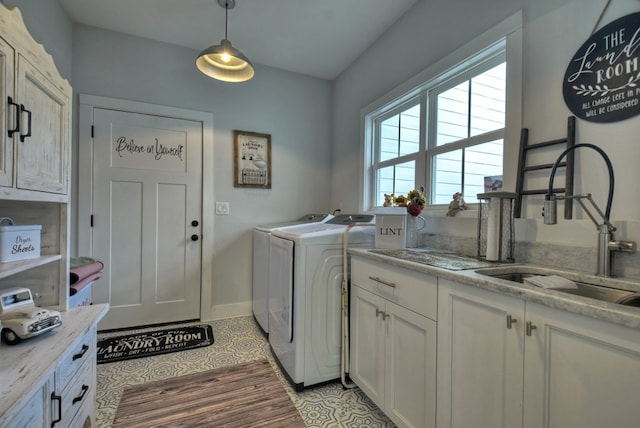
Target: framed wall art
(251,160)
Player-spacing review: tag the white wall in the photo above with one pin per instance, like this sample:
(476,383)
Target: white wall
(553,32)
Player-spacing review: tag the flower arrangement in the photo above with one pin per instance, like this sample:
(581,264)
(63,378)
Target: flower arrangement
(415,201)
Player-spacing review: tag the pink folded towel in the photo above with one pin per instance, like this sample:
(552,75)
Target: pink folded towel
(81,272)
(84,282)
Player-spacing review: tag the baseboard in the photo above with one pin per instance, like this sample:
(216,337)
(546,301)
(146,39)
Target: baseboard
(232,310)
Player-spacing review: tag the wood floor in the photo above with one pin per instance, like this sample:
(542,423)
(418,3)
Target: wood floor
(243,395)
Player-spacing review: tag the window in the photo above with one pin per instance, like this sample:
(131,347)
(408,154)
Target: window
(446,135)
(468,128)
(399,144)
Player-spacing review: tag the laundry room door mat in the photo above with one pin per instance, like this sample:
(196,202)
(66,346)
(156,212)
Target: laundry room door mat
(129,346)
(243,395)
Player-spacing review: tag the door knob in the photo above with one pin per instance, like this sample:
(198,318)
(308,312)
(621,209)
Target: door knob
(195,223)
(194,237)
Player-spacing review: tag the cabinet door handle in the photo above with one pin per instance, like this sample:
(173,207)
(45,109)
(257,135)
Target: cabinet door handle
(80,354)
(510,321)
(529,327)
(17,116)
(381,281)
(383,313)
(28,134)
(85,388)
(58,398)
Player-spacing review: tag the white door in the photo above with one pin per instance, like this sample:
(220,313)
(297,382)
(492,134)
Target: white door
(147,204)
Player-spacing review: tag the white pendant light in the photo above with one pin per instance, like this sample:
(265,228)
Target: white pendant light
(223,61)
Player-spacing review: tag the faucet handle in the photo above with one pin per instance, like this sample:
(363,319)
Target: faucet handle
(623,246)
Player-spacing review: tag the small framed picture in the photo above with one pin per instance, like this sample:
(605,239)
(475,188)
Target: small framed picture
(493,183)
(252,160)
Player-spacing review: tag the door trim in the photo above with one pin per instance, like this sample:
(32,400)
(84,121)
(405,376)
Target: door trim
(85,176)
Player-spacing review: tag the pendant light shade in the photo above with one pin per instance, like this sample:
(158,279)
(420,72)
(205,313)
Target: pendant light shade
(223,61)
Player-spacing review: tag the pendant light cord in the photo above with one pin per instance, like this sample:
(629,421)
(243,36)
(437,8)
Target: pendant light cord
(226,19)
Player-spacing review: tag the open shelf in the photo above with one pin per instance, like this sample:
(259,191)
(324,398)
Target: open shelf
(12,268)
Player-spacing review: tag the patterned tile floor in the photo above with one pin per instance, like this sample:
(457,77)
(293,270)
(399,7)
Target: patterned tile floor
(237,340)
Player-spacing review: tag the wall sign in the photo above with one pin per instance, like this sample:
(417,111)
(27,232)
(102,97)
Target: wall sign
(142,148)
(602,81)
(252,160)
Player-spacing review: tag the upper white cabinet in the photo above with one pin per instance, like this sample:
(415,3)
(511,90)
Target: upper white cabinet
(7,69)
(36,112)
(35,167)
(48,381)
(42,144)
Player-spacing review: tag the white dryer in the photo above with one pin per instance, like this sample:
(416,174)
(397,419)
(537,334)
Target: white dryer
(261,263)
(305,288)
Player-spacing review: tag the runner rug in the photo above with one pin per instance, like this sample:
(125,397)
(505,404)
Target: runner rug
(156,342)
(244,395)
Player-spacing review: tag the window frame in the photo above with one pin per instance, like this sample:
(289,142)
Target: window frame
(502,43)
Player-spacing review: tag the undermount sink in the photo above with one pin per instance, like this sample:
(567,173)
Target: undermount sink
(601,292)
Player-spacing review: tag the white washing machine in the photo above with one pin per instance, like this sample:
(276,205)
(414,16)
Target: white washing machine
(305,288)
(261,263)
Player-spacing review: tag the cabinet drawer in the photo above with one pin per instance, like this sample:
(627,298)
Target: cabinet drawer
(82,351)
(79,392)
(413,290)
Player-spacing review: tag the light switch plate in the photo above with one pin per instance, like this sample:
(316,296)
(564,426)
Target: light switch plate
(222,208)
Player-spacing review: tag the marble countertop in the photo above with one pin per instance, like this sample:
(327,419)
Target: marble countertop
(611,312)
(26,366)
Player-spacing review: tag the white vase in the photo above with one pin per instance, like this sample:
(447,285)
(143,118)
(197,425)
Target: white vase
(414,225)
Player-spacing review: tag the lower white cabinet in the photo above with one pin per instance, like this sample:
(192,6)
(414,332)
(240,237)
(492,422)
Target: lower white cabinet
(37,411)
(580,372)
(49,381)
(480,357)
(506,363)
(393,348)
(75,383)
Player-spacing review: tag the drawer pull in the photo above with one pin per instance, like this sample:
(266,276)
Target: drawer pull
(510,321)
(80,354)
(529,327)
(381,281)
(58,398)
(85,388)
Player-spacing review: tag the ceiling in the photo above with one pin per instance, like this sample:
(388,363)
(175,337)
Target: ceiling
(320,38)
